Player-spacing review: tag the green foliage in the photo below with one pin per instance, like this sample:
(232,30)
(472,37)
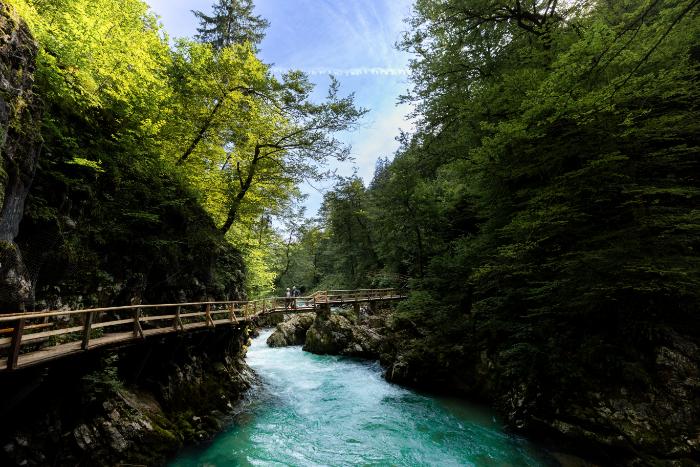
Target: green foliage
(546,206)
(103,382)
(109,218)
(166,156)
(231,22)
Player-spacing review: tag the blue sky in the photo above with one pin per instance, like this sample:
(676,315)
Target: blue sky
(352,39)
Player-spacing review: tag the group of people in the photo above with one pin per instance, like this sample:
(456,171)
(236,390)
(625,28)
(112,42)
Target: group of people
(291,296)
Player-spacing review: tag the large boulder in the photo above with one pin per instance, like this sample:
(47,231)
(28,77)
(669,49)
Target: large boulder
(366,342)
(337,335)
(329,335)
(291,331)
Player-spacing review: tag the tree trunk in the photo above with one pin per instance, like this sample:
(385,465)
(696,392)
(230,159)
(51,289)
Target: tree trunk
(245,186)
(202,131)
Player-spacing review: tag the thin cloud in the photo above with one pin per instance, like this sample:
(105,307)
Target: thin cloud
(356,71)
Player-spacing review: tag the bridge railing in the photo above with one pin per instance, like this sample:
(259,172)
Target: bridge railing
(324,296)
(34,332)
(343,296)
(26,332)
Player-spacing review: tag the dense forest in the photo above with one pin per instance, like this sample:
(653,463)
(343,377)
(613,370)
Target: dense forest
(543,213)
(164,159)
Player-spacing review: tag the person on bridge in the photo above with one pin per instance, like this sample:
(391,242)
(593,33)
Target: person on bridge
(295,294)
(287,299)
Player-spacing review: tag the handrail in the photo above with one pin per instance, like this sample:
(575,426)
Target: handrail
(43,314)
(90,330)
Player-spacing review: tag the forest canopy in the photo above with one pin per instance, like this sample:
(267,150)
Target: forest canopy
(206,111)
(546,207)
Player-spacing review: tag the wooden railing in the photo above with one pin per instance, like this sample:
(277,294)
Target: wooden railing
(33,337)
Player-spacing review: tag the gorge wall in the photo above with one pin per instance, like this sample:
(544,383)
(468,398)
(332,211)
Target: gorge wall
(137,406)
(20,147)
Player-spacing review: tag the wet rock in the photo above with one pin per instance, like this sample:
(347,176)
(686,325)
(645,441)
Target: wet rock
(367,342)
(337,335)
(292,331)
(329,335)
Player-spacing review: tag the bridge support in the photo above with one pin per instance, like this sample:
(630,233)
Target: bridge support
(86,331)
(177,322)
(13,354)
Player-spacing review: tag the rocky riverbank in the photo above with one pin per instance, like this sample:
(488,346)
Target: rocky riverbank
(344,333)
(292,330)
(136,406)
(655,424)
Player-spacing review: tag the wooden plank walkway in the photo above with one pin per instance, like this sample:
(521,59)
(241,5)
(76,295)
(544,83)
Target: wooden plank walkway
(33,338)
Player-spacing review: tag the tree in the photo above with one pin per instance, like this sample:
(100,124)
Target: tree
(246,135)
(552,176)
(231,22)
(293,140)
(351,257)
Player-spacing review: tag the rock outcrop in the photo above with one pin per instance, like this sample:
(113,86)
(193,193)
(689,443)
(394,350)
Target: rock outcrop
(20,146)
(137,407)
(335,334)
(655,422)
(292,331)
(329,335)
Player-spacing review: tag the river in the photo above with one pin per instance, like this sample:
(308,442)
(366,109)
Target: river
(324,410)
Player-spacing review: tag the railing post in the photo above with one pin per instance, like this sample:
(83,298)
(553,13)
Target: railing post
(16,343)
(138,330)
(86,330)
(177,322)
(207,311)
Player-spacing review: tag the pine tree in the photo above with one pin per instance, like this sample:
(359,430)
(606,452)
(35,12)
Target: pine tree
(231,22)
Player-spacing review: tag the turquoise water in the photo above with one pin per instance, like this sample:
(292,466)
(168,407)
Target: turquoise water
(322,410)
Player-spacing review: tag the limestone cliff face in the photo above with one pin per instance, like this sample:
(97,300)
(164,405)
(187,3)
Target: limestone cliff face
(137,406)
(20,146)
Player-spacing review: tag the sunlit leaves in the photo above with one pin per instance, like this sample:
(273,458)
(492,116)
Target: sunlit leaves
(99,53)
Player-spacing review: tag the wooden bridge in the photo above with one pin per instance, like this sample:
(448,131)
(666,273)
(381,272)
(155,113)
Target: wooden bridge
(32,338)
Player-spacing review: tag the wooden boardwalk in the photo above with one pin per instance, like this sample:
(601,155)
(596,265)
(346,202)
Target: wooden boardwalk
(32,338)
